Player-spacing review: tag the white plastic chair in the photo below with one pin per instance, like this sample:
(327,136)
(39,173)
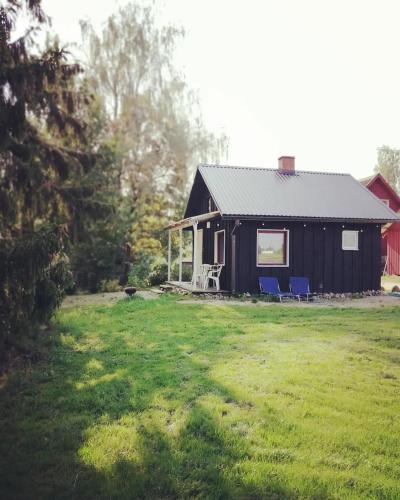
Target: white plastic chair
(214,274)
(204,268)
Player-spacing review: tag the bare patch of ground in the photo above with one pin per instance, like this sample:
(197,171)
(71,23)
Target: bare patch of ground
(111,298)
(366,302)
(106,298)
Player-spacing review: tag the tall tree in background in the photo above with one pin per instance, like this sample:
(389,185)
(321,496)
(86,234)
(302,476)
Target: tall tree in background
(388,164)
(43,161)
(154,117)
(81,175)
(97,230)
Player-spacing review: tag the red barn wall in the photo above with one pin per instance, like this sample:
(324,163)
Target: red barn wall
(390,244)
(381,191)
(393,249)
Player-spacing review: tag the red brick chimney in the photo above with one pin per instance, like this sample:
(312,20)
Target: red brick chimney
(286,165)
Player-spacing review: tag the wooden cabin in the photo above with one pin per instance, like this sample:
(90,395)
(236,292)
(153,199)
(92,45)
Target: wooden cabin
(390,241)
(282,222)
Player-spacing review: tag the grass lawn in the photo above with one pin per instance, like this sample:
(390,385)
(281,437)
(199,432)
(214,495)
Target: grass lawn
(153,399)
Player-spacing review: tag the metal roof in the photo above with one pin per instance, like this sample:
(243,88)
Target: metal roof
(248,191)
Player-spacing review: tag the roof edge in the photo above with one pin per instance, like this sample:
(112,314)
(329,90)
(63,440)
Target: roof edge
(198,172)
(209,190)
(365,186)
(308,219)
(386,184)
(239,167)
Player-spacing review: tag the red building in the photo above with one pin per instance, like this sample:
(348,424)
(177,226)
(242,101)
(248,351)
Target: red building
(378,185)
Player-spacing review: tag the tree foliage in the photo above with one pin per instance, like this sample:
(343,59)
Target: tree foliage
(32,276)
(91,165)
(98,229)
(43,159)
(388,164)
(154,118)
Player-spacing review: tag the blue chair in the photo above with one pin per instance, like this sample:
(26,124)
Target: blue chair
(300,287)
(270,286)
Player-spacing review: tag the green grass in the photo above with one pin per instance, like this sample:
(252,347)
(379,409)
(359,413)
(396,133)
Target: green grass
(154,399)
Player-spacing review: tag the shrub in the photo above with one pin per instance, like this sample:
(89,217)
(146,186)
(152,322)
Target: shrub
(140,270)
(110,286)
(33,275)
(95,261)
(159,273)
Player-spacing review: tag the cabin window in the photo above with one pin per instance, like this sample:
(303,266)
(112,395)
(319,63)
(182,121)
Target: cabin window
(272,248)
(219,247)
(350,240)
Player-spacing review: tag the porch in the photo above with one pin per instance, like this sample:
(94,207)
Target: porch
(196,290)
(198,268)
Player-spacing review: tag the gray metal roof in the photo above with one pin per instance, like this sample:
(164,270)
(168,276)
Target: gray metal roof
(245,191)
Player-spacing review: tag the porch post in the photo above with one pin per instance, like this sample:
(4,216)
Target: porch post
(180,255)
(169,254)
(194,258)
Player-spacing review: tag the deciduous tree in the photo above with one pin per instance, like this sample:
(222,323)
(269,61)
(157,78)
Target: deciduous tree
(154,117)
(388,164)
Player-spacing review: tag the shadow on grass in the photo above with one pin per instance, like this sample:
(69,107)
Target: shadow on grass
(91,422)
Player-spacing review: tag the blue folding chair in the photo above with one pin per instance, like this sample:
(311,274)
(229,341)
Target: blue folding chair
(300,287)
(270,286)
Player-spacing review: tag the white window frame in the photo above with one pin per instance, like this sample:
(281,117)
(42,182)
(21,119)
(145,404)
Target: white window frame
(263,229)
(354,247)
(216,247)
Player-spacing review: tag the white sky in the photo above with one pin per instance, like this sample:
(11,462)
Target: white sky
(317,79)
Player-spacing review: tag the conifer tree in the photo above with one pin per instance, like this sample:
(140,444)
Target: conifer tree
(43,156)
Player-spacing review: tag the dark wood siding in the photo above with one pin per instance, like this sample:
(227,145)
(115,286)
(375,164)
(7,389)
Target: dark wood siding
(314,252)
(199,204)
(199,198)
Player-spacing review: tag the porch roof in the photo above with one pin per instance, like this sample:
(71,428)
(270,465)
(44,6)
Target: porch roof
(190,221)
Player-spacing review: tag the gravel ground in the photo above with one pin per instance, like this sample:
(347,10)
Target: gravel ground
(366,302)
(112,297)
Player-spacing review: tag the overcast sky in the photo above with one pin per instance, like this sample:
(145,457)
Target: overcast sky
(317,79)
